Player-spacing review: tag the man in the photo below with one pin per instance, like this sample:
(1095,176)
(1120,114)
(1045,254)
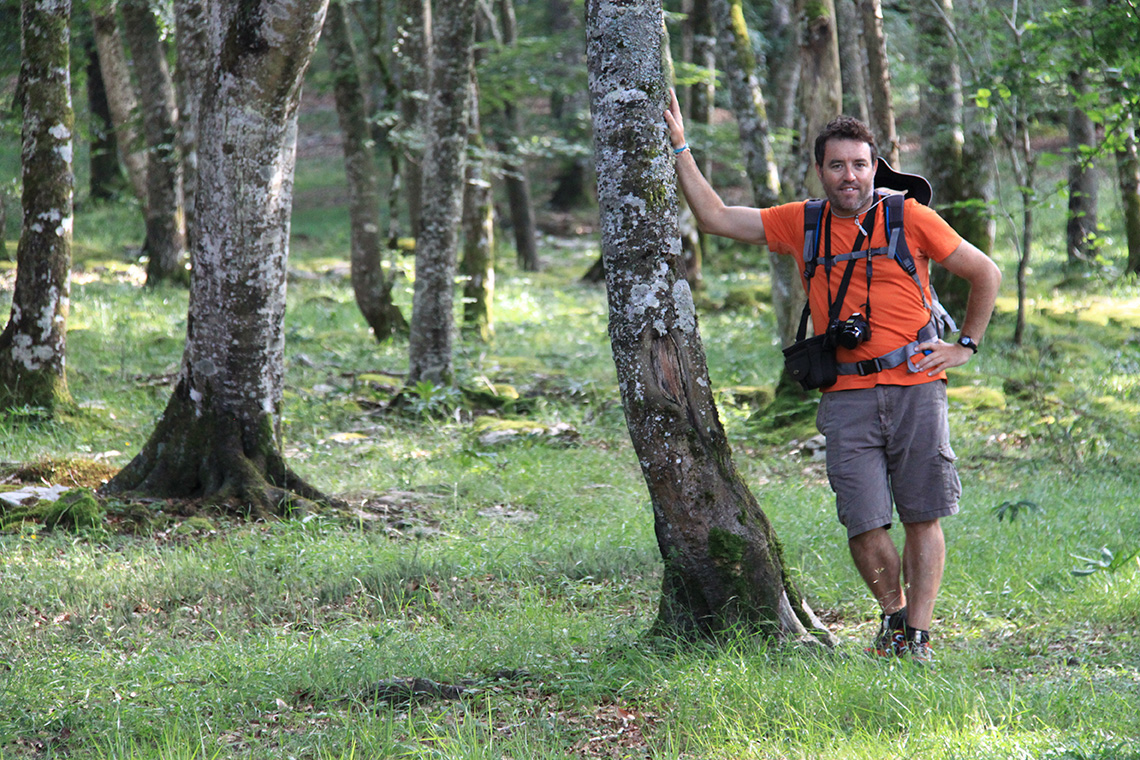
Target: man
(887,432)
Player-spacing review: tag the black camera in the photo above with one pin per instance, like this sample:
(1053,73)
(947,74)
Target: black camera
(850,332)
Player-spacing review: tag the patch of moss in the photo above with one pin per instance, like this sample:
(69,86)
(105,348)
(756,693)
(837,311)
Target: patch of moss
(77,473)
(975,397)
(76,509)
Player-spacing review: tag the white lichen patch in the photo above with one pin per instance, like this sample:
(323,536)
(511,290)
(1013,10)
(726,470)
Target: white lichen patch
(60,132)
(686,309)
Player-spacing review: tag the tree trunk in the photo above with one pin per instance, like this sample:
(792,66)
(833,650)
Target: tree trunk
(759,158)
(219,438)
(941,125)
(783,63)
(1026,181)
(191,41)
(478,265)
(121,97)
(723,569)
(853,59)
(414,66)
(373,290)
(103,152)
(165,224)
(34,342)
(820,97)
(514,167)
(1128,174)
(1080,228)
(568,106)
(879,81)
(445,154)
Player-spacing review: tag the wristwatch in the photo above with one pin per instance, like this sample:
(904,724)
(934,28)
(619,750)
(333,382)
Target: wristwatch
(968,342)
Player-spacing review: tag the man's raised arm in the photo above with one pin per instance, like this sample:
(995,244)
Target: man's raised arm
(713,216)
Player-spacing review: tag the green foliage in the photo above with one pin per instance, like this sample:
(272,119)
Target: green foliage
(1012,509)
(1108,561)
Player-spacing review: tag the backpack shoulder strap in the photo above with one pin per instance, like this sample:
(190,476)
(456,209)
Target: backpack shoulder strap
(813,212)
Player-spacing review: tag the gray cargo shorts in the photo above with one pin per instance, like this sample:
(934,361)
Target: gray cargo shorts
(889,445)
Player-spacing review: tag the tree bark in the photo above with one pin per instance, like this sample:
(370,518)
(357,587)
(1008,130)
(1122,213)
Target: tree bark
(445,152)
(852,59)
(165,223)
(121,97)
(219,437)
(879,81)
(191,41)
(514,167)
(414,65)
(723,569)
(759,157)
(820,97)
(783,63)
(477,268)
(371,287)
(568,106)
(1128,175)
(33,344)
(1080,227)
(106,175)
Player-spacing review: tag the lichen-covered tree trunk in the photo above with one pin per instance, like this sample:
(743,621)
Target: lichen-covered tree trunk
(191,43)
(373,290)
(759,157)
(414,51)
(120,95)
(879,80)
(477,268)
(445,159)
(34,342)
(852,59)
(723,566)
(219,437)
(1128,176)
(820,97)
(165,222)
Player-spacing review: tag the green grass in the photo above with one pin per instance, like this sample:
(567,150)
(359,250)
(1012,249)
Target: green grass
(216,638)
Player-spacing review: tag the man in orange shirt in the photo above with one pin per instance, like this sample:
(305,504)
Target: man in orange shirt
(887,433)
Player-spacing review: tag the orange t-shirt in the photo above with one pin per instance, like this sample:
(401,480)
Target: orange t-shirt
(896,309)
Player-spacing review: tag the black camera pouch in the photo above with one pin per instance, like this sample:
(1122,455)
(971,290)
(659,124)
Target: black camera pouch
(812,363)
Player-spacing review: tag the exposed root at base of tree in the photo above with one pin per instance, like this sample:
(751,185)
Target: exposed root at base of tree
(207,458)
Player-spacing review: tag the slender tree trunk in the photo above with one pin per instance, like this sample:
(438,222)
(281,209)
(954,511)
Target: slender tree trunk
(1080,228)
(219,438)
(373,290)
(879,81)
(165,223)
(759,157)
(723,569)
(414,66)
(34,342)
(1128,174)
(191,42)
(103,153)
(567,106)
(121,97)
(783,62)
(514,167)
(430,354)
(820,97)
(478,265)
(1026,180)
(852,59)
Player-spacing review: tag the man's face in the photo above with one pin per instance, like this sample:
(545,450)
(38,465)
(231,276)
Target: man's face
(848,176)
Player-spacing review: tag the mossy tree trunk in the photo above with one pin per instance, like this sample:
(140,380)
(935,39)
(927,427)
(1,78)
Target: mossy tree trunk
(165,222)
(1128,178)
(219,437)
(371,286)
(34,342)
(820,98)
(445,159)
(723,565)
(413,66)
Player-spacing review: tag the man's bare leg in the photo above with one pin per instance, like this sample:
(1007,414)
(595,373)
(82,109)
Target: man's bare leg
(924,557)
(877,561)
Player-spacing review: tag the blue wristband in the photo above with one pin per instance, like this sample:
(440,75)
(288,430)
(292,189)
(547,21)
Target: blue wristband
(682,149)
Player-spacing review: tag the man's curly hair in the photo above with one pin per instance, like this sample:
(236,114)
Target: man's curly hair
(844,128)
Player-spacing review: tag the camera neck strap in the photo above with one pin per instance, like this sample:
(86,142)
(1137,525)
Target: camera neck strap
(824,242)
